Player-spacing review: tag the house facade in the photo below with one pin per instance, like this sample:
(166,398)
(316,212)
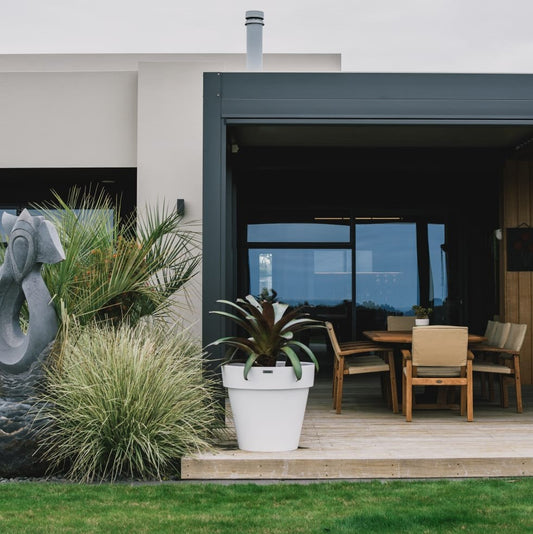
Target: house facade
(295,173)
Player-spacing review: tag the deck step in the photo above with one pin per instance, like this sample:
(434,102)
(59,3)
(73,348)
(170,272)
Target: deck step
(302,468)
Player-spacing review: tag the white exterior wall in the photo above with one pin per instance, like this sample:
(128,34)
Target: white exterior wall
(122,110)
(68,119)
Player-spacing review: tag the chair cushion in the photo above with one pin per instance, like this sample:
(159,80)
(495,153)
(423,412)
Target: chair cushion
(490,367)
(364,364)
(435,371)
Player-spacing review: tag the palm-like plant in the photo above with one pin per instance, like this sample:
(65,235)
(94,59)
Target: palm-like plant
(116,268)
(271,328)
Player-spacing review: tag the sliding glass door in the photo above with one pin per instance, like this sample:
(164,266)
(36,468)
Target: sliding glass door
(352,271)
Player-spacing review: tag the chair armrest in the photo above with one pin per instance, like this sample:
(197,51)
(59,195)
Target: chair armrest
(470,355)
(406,354)
(485,348)
(509,352)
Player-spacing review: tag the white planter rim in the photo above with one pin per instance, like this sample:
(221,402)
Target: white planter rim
(267,377)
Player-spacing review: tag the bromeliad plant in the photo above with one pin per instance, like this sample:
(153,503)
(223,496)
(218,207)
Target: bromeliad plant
(271,328)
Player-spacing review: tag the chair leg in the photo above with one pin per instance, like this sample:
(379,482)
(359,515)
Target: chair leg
(517,383)
(409,401)
(404,387)
(469,395)
(338,396)
(514,381)
(504,393)
(335,385)
(463,401)
(393,387)
(408,395)
(337,371)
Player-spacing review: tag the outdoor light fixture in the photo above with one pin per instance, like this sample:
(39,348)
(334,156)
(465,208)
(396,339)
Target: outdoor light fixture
(180,206)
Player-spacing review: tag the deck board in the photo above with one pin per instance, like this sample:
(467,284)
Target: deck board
(368,441)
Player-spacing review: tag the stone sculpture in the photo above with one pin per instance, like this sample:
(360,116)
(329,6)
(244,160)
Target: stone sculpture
(32,242)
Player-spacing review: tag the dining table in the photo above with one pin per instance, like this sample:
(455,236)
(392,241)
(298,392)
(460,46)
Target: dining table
(405,337)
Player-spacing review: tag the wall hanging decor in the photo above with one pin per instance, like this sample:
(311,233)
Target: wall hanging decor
(520,248)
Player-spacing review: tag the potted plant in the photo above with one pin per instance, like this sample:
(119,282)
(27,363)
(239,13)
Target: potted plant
(267,381)
(421,315)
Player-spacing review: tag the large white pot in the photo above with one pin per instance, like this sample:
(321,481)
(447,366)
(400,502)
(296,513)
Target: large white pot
(268,409)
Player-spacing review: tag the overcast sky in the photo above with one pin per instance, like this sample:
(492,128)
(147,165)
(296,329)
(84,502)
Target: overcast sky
(371,35)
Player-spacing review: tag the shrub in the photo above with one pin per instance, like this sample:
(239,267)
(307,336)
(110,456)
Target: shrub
(127,401)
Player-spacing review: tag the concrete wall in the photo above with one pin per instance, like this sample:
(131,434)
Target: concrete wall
(66,119)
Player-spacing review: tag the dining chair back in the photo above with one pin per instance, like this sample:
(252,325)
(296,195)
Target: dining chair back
(499,334)
(440,346)
(361,357)
(496,333)
(400,322)
(516,337)
(439,356)
(504,361)
(489,330)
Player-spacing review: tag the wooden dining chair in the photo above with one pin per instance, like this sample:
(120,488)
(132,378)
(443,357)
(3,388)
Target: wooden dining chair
(496,333)
(360,357)
(439,356)
(400,322)
(504,362)
(490,330)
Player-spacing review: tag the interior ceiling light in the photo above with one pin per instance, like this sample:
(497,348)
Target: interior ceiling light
(332,218)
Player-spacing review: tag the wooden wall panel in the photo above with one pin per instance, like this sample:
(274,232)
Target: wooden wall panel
(517,209)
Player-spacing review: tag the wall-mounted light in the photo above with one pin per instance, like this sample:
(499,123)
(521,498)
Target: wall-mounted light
(180,207)
(498,234)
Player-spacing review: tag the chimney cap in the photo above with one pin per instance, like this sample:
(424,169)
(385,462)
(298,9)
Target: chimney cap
(257,15)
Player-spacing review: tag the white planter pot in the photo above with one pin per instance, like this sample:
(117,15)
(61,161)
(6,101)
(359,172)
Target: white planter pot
(268,409)
(422,322)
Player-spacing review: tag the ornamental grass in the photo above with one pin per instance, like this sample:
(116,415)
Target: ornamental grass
(127,402)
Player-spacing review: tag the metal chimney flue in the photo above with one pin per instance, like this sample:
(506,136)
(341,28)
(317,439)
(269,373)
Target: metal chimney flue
(254,40)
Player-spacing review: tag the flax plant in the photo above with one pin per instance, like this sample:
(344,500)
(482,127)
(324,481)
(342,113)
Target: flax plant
(119,268)
(127,401)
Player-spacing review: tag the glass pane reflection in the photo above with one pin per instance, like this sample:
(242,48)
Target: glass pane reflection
(299,232)
(386,266)
(302,276)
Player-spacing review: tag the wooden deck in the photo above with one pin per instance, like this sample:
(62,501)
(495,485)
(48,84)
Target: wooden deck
(368,441)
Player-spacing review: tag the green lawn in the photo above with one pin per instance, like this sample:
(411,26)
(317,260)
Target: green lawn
(494,505)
